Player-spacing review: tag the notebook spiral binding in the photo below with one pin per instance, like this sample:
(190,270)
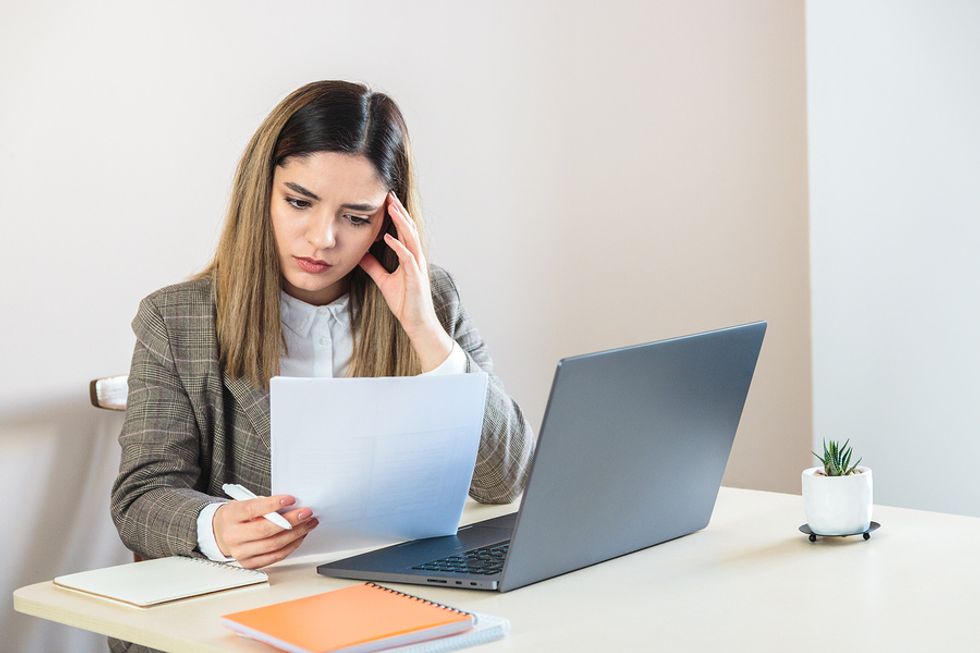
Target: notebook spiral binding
(419,598)
(215,563)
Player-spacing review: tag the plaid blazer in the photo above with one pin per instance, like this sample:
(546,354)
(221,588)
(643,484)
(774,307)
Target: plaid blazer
(189,428)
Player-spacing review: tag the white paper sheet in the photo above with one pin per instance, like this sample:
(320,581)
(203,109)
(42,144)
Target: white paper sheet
(379,460)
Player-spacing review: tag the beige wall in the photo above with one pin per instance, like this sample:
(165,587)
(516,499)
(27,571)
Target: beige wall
(646,179)
(594,175)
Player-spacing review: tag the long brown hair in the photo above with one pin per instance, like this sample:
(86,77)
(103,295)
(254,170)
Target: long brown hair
(324,116)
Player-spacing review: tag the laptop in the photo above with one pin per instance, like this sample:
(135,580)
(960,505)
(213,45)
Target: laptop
(631,453)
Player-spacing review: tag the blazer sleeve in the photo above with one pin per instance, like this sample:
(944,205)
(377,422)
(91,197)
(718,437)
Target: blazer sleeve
(154,500)
(507,442)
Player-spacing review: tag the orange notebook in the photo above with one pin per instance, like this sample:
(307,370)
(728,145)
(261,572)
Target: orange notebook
(355,619)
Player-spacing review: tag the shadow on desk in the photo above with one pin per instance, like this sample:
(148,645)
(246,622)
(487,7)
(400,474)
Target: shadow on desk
(785,551)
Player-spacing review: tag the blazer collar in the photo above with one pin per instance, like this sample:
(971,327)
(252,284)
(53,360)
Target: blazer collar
(254,402)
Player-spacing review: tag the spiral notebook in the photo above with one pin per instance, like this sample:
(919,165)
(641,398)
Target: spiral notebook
(362,618)
(160,580)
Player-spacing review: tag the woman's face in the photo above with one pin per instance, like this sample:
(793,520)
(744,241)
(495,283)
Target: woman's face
(327,210)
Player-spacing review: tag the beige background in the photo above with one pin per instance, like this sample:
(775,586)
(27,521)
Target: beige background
(594,176)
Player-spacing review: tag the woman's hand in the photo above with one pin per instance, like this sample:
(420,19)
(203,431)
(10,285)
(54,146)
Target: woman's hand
(242,533)
(407,289)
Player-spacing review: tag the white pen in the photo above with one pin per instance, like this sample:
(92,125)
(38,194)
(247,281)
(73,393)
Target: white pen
(242,493)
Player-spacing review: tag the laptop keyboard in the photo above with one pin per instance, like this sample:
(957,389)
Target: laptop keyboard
(485,560)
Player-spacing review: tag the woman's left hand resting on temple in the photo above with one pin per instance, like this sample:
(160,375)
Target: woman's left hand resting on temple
(407,289)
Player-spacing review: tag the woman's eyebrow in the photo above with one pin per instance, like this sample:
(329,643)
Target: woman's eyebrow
(313,196)
(302,191)
(367,208)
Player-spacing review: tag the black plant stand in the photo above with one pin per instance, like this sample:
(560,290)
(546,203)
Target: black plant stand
(805,528)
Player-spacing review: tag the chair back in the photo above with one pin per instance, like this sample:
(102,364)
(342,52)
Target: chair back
(109,392)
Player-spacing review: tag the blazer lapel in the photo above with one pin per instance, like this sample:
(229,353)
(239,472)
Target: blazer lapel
(254,402)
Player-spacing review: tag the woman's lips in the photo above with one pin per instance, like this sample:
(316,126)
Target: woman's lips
(312,265)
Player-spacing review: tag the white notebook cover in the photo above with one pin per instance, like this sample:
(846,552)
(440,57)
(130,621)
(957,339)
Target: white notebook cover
(160,580)
(487,629)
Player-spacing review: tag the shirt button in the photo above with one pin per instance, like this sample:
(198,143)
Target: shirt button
(323,341)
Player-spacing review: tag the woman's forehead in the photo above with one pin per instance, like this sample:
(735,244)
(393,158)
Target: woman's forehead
(333,175)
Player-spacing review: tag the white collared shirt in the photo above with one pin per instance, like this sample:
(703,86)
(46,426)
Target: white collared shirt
(319,343)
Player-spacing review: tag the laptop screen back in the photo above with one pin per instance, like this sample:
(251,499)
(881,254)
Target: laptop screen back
(631,451)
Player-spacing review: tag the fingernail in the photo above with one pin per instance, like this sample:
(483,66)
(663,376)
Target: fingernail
(305,514)
(314,523)
(286,501)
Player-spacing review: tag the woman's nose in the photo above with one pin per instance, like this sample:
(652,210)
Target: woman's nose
(322,233)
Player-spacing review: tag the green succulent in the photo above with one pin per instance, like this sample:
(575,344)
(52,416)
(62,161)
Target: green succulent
(836,459)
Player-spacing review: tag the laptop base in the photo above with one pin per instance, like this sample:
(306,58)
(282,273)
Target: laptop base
(394,564)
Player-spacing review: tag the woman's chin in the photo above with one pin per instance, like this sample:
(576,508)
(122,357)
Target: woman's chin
(310,285)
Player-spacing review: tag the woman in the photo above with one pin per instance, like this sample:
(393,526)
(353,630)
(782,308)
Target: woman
(320,271)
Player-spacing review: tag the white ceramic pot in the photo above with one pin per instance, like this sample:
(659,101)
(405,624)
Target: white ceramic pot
(837,505)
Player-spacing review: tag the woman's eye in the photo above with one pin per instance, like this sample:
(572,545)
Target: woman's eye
(357,220)
(298,204)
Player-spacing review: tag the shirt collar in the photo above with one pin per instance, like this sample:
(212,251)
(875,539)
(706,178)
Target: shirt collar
(299,316)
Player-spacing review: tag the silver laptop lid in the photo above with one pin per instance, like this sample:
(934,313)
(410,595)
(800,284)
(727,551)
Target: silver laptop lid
(631,451)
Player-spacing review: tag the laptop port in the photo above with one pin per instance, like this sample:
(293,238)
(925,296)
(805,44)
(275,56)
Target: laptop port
(435,580)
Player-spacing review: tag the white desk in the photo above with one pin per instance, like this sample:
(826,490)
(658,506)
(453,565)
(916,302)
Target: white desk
(748,582)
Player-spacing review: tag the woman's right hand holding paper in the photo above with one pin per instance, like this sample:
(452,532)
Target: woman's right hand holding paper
(242,533)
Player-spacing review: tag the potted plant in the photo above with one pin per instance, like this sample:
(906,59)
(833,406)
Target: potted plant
(837,496)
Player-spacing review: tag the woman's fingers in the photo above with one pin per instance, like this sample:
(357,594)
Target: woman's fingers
(397,210)
(266,559)
(407,289)
(260,527)
(252,547)
(374,269)
(239,525)
(405,257)
(297,516)
(407,231)
(253,508)
(232,514)
(271,557)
